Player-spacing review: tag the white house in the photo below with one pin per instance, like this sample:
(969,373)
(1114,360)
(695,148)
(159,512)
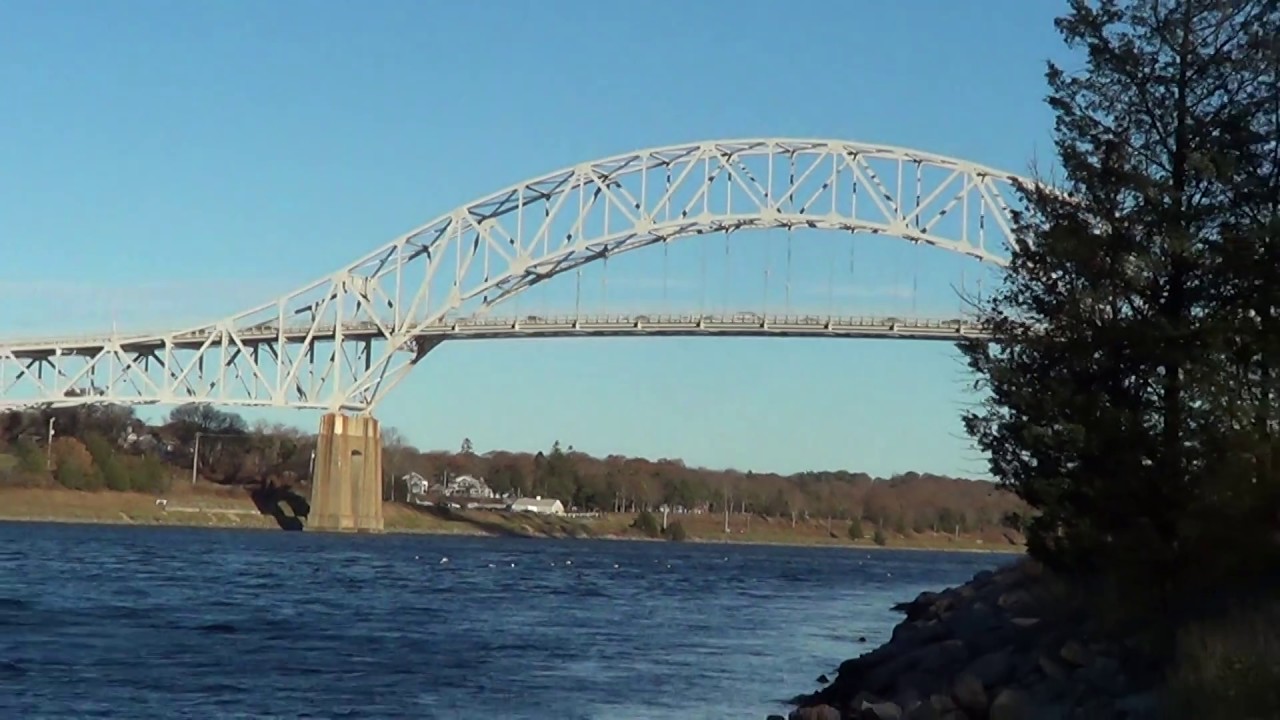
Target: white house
(416,487)
(468,486)
(539,504)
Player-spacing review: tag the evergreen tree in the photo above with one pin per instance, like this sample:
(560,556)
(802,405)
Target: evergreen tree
(1110,369)
(855,529)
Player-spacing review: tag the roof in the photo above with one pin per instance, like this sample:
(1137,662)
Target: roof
(547,503)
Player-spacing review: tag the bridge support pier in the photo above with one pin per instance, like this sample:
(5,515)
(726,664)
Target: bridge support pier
(346,486)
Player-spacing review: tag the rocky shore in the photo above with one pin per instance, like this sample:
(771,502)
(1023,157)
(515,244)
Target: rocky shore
(1010,644)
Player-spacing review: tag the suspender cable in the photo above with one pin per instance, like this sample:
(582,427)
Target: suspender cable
(915,258)
(786,302)
(546,239)
(831,282)
(764,294)
(726,271)
(665,248)
(577,297)
(665,242)
(702,287)
(853,278)
(853,212)
(786,307)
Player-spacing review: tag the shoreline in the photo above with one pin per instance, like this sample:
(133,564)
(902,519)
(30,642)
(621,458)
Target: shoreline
(225,508)
(110,522)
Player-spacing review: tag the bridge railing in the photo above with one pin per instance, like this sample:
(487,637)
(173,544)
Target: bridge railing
(532,323)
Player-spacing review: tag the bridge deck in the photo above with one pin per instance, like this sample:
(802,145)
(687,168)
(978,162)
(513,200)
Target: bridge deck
(530,326)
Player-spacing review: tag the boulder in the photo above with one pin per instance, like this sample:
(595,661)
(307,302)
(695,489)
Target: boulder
(879,711)
(911,635)
(1075,653)
(817,712)
(923,711)
(915,683)
(1102,674)
(994,668)
(939,656)
(1052,668)
(942,703)
(1011,704)
(969,694)
(1016,600)
(918,608)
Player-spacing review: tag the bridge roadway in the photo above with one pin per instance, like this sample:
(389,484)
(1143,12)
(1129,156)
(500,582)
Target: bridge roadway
(529,326)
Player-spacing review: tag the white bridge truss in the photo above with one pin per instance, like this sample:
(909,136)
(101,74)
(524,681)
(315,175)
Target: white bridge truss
(342,342)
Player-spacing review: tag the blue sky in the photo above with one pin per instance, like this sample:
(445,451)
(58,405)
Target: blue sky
(166,163)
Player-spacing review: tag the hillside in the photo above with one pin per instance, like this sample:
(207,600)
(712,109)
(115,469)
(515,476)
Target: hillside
(107,448)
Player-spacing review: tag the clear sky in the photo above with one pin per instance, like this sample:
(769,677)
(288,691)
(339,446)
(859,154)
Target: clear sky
(163,163)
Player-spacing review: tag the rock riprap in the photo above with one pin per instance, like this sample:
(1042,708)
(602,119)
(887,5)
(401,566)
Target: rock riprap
(1004,646)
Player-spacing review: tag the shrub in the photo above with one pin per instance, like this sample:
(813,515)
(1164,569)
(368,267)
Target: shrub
(647,524)
(73,465)
(114,475)
(676,532)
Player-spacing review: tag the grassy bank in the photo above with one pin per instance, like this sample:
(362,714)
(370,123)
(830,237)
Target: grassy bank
(213,506)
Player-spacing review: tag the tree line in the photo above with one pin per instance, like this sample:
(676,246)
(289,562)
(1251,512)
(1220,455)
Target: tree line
(109,447)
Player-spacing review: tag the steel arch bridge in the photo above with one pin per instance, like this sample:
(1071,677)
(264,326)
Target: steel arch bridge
(342,342)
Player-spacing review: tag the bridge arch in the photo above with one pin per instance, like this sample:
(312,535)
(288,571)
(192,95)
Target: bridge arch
(950,203)
(657,195)
(379,315)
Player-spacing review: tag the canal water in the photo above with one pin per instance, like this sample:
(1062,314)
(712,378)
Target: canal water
(129,622)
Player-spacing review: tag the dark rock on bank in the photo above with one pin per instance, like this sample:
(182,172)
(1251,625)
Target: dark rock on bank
(1004,646)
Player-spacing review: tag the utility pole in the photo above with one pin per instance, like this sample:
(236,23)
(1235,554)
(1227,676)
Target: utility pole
(726,506)
(195,453)
(195,459)
(49,444)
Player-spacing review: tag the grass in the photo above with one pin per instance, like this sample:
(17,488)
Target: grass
(204,507)
(211,505)
(1228,667)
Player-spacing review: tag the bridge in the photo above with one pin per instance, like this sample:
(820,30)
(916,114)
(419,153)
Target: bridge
(343,342)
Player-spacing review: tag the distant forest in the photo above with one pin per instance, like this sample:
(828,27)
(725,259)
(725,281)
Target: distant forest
(106,447)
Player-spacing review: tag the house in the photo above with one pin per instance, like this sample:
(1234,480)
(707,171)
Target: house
(145,439)
(539,504)
(416,487)
(468,486)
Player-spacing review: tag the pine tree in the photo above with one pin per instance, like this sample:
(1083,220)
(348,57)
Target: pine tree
(1110,365)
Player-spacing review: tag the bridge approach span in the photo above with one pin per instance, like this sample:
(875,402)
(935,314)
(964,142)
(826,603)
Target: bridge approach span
(81,358)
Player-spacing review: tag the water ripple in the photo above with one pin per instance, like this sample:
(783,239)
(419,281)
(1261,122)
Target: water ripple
(164,622)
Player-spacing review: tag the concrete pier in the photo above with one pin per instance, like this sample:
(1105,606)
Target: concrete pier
(346,488)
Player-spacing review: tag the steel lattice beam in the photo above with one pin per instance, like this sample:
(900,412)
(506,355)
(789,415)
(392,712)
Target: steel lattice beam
(342,342)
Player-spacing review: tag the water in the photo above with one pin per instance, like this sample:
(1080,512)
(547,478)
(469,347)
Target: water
(164,622)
